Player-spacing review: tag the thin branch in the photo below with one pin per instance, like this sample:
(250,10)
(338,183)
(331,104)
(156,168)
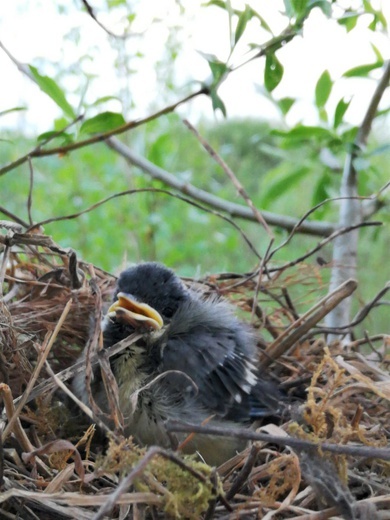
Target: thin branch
(237,184)
(91,13)
(45,352)
(149,190)
(272,45)
(300,444)
(77,368)
(35,151)
(301,221)
(370,114)
(321,244)
(234,210)
(363,313)
(13,217)
(305,322)
(39,152)
(345,248)
(30,192)
(242,476)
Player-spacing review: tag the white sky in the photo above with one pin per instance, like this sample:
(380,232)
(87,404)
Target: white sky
(34,33)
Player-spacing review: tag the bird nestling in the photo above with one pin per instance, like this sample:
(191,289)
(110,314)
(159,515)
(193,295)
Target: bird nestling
(207,355)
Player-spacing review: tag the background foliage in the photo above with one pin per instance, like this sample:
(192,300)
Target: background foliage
(286,168)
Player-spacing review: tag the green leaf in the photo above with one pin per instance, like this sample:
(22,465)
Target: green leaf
(243,19)
(263,23)
(321,189)
(362,70)
(341,108)
(9,110)
(302,132)
(288,8)
(349,136)
(66,137)
(217,67)
(382,19)
(323,89)
(102,123)
(368,7)
(382,112)
(273,72)
(323,114)
(217,102)
(378,55)
(104,99)
(282,184)
(324,5)
(285,104)
(50,87)
(299,6)
(218,3)
(348,20)
(115,3)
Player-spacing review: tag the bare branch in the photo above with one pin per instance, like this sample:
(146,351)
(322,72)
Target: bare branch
(304,323)
(35,151)
(92,14)
(345,247)
(300,444)
(237,184)
(233,209)
(148,190)
(320,245)
(365,127)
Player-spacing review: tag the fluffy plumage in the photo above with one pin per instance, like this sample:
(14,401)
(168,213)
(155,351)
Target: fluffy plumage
(200,364)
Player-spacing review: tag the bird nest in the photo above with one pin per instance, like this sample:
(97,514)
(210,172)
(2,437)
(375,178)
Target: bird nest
(327,457)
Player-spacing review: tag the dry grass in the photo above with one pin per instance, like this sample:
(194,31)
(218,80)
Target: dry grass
(51,466)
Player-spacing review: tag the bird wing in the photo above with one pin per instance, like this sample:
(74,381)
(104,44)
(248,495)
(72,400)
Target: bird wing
(215,350)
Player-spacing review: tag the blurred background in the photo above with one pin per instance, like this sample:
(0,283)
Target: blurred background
(283,122)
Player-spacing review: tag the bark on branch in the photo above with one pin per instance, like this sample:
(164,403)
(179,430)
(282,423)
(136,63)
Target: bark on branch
(233,209)
(345,246)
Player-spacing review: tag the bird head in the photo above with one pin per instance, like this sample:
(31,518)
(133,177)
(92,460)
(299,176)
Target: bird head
(147,296)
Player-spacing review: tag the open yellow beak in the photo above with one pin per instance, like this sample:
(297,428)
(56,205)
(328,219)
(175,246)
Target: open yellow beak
(136,314)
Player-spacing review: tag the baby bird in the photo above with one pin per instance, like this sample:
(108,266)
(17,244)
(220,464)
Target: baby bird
(195,363)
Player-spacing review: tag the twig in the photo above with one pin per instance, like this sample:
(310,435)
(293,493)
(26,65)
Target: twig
(302,220)
(296,330)
(18,431)
(137,471)
(44,353)
(322,243)
(263,267)
(145,190)
(76,278)
(299,444)
(78,367)
(3,266)
(91,13)
(39,152)
(57,382)
(13,217)
(363,313)
(237,184)
(365,340)
(240,479)
(369,116)
(30,191)
(35,151)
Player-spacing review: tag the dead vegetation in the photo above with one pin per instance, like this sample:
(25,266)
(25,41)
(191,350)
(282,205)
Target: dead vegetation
(328,458)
